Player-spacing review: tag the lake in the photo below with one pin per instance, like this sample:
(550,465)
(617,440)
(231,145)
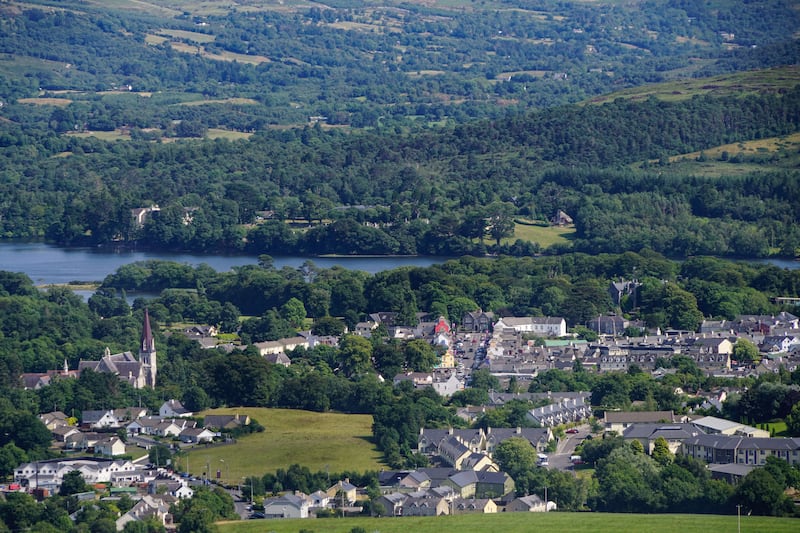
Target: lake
(48,264)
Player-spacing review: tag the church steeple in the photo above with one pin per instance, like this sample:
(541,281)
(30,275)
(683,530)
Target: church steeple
(147,352)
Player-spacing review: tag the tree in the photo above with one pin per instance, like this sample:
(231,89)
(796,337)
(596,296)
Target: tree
(420,355)
(355,355)
(294,312)
(160,455)
(759,492)
(500,221)
(517,458)
(328,325)
(661,452)
(628,482)
(746,352)
(72,483)
(793,421)
(11,456)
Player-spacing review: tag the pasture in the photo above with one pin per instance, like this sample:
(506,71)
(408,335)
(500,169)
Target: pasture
(318,441)
(526,522)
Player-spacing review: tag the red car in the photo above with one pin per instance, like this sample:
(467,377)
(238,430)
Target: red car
(572,431)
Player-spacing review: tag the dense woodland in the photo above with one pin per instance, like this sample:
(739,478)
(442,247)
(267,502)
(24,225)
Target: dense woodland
(439,192)
(450,135)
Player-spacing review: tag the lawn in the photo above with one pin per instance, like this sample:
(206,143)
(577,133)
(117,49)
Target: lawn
(317,440)
(526,522)
(545,235)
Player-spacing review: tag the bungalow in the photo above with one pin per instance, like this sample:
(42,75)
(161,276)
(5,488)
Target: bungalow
(173,409)
(126,414)
(527,504)
(220,422)
(278,359)
(99,419)
(196,435)
(178,489)
(83,441)
(61,433)
(53,420)
(286,506)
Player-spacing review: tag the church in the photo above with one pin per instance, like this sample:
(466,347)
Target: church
(139,373)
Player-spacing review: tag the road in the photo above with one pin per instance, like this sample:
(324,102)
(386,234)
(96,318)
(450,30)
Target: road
(566,447)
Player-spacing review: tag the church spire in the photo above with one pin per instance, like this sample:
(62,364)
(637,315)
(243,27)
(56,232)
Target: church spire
(148,344)
(147,352)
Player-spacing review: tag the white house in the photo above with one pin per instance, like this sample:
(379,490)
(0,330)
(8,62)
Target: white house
(111,446)
(538,325)
(286,506)
(173,409)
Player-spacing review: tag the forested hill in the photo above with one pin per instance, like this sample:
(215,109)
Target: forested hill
(430,192)
(401,129)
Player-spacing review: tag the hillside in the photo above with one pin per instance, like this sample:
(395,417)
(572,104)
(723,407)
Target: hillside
(402,129)
(370,64)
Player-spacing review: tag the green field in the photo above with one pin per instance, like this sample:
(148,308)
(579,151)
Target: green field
(761,155)
(527,522)
(752,82)
(316,440)
(544,235)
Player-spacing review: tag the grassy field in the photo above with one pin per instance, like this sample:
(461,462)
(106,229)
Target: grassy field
(774,153)
(526,522)
(316,440)
(751,82)
(545,236)
(59,102)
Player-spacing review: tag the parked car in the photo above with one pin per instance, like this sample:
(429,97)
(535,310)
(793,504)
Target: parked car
(257,515)
(572,431)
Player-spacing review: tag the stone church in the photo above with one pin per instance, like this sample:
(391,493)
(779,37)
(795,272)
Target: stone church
(139,373)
